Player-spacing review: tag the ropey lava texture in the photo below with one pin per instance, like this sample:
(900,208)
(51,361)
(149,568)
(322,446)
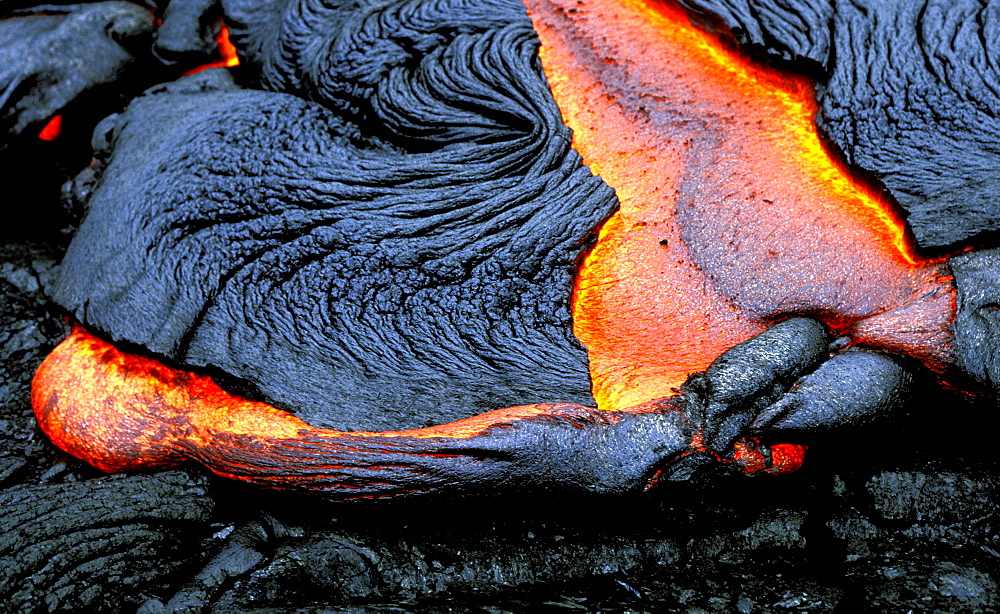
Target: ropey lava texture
(389,241)
(405,270)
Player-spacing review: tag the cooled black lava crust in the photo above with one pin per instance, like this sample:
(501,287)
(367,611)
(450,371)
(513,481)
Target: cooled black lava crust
(388,243)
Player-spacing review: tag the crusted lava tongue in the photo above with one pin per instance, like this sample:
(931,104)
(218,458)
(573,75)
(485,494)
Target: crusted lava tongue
(396,257)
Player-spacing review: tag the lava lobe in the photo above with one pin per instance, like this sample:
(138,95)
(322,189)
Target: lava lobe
(375,305)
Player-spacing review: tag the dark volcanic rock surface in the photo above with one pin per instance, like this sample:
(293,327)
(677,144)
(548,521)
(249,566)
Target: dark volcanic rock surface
(29,329)
(188,31)
(84,546)
(50,58)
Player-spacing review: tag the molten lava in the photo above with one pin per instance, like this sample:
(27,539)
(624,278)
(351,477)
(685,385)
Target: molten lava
(225,50)
(120,411)
(732,213)
(733,216)
(52,129)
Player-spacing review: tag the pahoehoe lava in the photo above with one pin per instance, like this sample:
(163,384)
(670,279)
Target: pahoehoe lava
(394,252)
(387,236)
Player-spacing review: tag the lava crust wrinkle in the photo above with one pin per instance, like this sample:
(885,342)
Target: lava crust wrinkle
(411,269)
(404,249)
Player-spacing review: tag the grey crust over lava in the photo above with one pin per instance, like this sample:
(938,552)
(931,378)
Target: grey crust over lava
(977,319)
(42,69)
(908,90)
(394,252)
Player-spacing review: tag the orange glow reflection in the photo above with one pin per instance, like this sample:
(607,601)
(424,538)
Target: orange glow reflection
(733,214)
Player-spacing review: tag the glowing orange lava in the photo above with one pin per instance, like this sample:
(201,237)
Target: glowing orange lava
(225,50)
(118,410)
(52,129)
(732,212)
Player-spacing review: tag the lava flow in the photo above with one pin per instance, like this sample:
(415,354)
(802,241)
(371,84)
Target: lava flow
(733,216)
(133,412)
(732,213)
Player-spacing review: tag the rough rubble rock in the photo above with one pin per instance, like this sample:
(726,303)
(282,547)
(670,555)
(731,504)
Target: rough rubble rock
(921,498)
(29,329)
(770,546)
(908,91)
(241,551)
(924,583)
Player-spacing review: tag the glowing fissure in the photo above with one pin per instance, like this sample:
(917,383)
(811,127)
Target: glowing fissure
(225,50)
(52,129)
